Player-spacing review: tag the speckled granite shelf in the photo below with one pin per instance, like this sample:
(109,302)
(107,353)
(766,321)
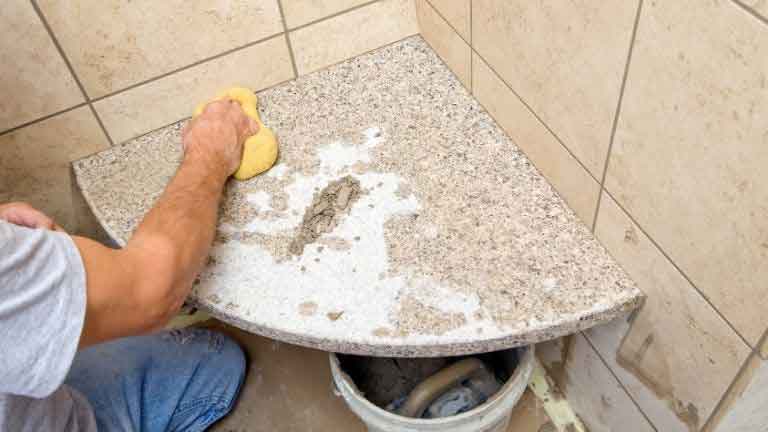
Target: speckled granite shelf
(454,243)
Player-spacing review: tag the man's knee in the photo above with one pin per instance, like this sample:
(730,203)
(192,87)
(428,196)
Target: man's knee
(223,370)
(217,366)
(232,356)
(217,353)
(181,367)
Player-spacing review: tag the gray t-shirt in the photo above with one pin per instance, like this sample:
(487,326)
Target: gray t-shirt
(42,309)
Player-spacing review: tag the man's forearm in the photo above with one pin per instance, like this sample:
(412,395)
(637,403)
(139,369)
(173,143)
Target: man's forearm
(138,288)
(182,224)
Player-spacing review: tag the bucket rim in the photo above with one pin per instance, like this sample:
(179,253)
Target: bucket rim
(524,367)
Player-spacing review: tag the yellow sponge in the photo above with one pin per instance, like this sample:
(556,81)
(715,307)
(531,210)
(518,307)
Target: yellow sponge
(260,150)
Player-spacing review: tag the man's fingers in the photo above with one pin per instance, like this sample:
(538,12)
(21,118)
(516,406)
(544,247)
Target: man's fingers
(218,106)
(253,127)
(232,110)
(244,125)
(25,215)
(31,218)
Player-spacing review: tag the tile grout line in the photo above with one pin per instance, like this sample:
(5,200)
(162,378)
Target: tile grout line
(442,60)
(751,11)
(278,83)
(762,341)
(471,26)
(71,69)
(742,369)
(536,116)
(180,69)
(536,167)
(333,15)
(616,377)
(225,53)
(42,119)
(189,66)
(288,39)
(617,112)
(429,2)
(270,86)
(242,47)
(142,134)
(474,51)
(754,350)
(365,53)
(674,264)
(471,62)
(101,124)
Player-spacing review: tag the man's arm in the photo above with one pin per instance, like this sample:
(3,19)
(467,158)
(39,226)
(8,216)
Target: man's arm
(137,289)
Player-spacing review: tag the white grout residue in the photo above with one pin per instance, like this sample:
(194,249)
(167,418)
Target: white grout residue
(251,284)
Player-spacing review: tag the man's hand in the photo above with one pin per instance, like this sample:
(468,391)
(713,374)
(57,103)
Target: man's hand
(23,214)
(216,136)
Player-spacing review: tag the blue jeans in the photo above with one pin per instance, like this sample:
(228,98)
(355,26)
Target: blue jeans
(178,380)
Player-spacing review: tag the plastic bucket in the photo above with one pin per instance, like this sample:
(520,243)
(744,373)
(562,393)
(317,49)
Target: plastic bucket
(491,416)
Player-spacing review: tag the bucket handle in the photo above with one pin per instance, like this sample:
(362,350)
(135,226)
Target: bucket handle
(431,388)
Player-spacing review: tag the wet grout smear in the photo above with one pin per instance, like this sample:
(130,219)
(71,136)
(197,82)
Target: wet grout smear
(325,212)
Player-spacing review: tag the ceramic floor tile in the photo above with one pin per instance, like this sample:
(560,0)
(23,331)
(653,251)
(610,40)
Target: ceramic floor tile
(688,161)
(288,388)
(34,80)
(113,44)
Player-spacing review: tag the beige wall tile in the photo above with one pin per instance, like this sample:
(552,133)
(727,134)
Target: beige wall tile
(565,59)
(169,99)
(300,12)
(457,13)
(562,170)
(689,157)
(678,356)
(113,44)
(446,42)
(607,338)
(34,81)
(34,162)
(353,33)
(744,410)
(595,395)
(759,6)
